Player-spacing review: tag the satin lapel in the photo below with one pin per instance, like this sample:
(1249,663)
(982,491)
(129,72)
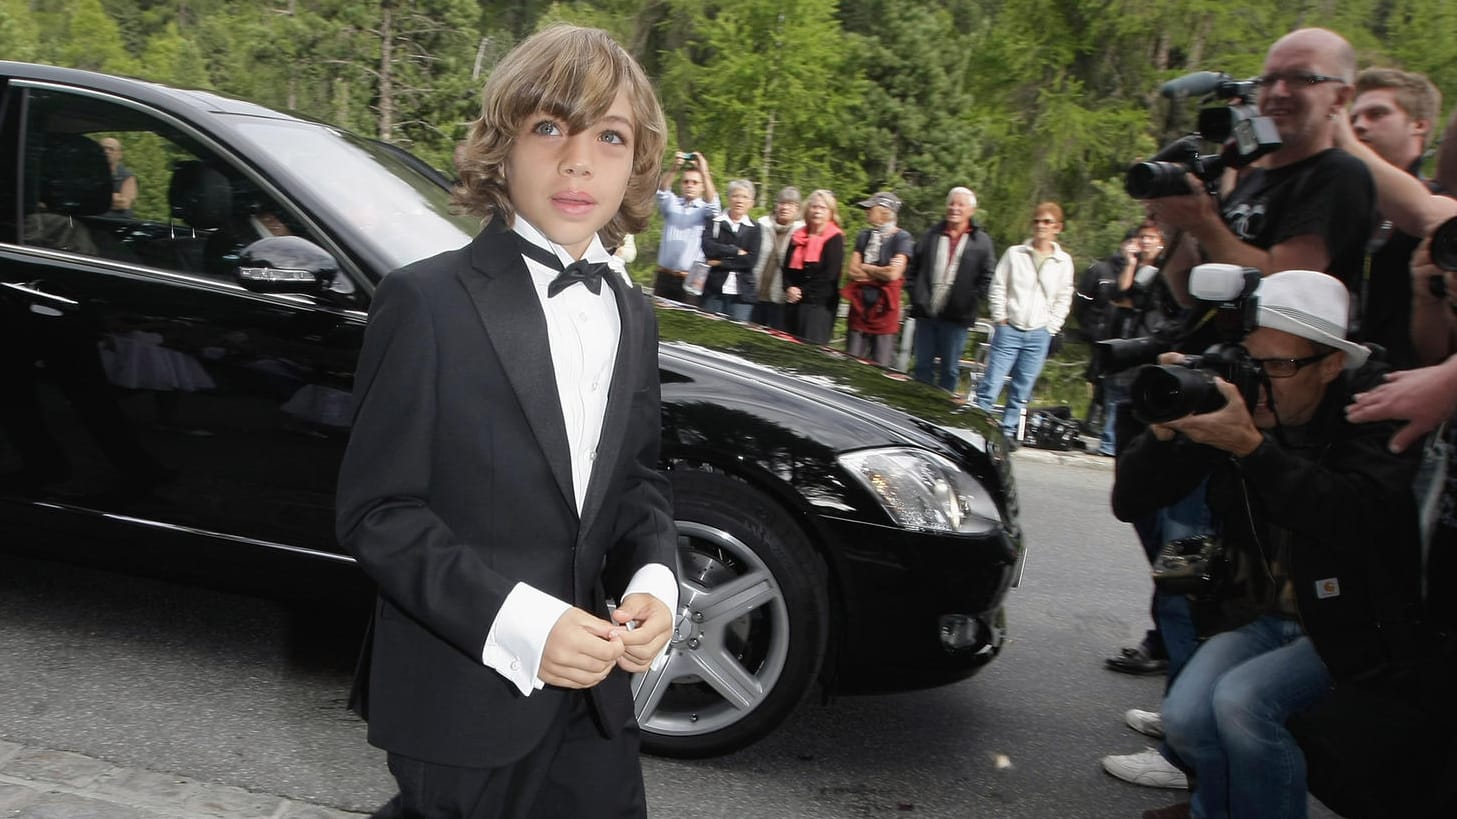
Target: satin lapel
(500,286)
(626,373)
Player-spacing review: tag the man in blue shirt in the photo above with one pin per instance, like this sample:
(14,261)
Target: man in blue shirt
(683,220)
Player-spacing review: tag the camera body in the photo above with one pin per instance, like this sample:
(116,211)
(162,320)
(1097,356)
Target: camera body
(1162,393)
(1242,133)
(688,156)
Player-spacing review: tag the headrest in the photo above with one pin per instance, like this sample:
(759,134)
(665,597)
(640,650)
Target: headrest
(200,195)
(74,177)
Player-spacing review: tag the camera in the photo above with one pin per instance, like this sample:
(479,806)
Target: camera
(1243,135)
(1444,245)
(1222,289)
(1164,392)
(687,156)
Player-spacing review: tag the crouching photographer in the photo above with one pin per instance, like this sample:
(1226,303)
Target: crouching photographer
(1313,576)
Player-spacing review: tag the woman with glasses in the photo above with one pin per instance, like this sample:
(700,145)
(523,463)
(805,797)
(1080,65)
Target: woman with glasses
(1031,293)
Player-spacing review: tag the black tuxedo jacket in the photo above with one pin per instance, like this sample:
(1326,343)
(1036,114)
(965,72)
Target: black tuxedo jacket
(457,484)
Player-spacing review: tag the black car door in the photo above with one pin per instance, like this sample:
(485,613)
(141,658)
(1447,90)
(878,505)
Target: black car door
(145,388)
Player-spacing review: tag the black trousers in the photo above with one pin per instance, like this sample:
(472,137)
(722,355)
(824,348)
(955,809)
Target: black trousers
(574,773)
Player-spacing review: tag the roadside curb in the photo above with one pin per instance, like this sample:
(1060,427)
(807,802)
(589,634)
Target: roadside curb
(38,783)
(1082,459)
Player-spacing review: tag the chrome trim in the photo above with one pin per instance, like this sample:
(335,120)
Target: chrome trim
(39,294)
(190,530)
(154,273)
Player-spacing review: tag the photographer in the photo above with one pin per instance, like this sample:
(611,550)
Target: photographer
(684,218)
(1319,534)
(1308,205)
(1129,291)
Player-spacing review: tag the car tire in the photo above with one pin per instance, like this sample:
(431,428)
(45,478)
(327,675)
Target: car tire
(751,626)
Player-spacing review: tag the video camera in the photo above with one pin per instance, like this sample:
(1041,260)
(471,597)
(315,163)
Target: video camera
(1243,134)
(1164,392)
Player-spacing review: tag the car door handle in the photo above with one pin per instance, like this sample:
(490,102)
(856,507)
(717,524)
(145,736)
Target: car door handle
(41,302)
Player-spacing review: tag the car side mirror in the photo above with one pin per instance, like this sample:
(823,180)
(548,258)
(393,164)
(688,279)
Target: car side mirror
(286,264)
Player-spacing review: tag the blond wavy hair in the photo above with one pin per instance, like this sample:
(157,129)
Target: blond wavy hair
(573,74)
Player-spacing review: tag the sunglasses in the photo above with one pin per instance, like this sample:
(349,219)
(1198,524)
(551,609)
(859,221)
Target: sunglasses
(1286,367)
(1044,221)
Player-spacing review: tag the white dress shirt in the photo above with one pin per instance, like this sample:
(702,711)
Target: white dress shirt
(583,329)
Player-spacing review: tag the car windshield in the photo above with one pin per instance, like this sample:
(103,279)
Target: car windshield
(394,206)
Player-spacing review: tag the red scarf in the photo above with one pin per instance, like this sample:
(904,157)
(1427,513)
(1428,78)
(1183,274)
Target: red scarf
(808,246)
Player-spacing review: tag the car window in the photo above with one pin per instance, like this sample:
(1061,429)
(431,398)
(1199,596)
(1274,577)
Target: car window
(110,181)
(390,201)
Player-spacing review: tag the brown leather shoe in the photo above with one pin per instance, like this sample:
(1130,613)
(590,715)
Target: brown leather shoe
(1179,811)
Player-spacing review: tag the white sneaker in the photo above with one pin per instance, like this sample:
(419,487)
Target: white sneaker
(1148,723)
(1147,767)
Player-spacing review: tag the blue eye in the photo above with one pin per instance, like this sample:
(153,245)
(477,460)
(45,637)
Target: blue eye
(614,137)
(546,127)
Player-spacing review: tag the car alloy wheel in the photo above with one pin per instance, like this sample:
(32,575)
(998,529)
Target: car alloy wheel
(751,623)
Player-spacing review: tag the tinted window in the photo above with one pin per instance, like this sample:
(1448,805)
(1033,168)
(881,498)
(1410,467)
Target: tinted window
(107,180)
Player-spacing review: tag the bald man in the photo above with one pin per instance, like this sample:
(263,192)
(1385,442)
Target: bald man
(1309,206)
(123,181)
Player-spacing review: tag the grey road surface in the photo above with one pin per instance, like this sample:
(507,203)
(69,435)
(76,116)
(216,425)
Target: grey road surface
(250,693)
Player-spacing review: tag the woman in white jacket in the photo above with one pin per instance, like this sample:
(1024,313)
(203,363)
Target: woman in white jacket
(1031,292)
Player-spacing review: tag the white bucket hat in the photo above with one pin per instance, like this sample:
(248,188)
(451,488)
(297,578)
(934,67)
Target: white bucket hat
(1311,305)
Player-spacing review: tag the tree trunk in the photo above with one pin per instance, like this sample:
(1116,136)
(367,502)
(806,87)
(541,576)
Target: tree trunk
(766,162)
(386,77)
(475,71)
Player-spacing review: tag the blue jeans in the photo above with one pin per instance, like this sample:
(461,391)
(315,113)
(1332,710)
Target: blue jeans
(726,306)
(1225,717)
(944,340)
(1187,517)
(1019,353)
(1115,389)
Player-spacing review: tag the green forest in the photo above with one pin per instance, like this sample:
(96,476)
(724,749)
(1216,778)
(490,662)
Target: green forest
(1021,100)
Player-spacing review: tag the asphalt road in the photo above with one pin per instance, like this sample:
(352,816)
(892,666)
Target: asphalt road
(247,692)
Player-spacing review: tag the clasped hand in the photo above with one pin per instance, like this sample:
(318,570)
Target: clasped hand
(582,649)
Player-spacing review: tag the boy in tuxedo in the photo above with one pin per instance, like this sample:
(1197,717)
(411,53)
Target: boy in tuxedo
(501,481)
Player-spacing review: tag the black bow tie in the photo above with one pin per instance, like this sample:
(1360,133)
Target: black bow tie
(588,273)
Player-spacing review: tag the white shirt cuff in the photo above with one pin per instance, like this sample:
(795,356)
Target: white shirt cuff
(518,635)
(657,580)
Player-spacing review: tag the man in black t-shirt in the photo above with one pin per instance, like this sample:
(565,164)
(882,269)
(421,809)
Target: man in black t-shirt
(1309,205)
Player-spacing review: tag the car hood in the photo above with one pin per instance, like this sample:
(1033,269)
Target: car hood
(841,402)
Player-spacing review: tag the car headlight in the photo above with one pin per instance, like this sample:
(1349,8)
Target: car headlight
(923,490)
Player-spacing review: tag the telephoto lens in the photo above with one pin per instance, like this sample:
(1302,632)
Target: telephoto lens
(1167,392)
(1444,245)
(1155,180)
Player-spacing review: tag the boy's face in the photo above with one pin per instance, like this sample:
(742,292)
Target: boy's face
(1381,122)
(571,185)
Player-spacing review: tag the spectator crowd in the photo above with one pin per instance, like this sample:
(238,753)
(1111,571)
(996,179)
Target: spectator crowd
(788,271)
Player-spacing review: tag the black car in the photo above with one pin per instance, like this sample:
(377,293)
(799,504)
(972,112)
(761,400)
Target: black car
(176,398)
